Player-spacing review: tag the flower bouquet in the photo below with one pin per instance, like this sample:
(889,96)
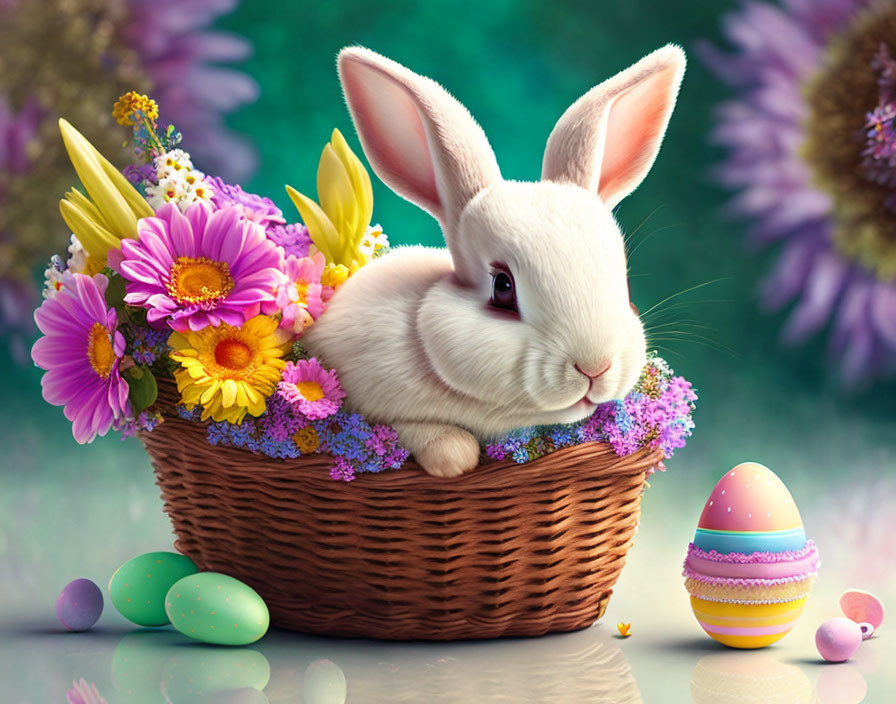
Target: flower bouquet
(180,316)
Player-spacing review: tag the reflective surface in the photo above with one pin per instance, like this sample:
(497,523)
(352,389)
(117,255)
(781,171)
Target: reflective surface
(99,512)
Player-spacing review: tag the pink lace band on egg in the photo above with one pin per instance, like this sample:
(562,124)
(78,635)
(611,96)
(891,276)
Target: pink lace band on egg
(710,568)
(752,558)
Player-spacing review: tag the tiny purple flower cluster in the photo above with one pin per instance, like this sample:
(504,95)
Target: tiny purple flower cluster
(657,413)
(145,420)
(258,209)
(282,432)
(145,345)
(293,239)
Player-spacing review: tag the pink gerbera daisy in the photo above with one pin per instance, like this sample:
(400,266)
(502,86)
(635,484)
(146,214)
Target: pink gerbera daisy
(312,390)
(199,268)
(81,351)
(299,295)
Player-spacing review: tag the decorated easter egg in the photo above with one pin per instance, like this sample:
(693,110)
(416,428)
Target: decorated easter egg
(750,566)
(207,672)
(215,608)
(139,586)
(79,605)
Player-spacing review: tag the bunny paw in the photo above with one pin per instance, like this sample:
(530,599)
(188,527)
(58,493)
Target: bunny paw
(442,450)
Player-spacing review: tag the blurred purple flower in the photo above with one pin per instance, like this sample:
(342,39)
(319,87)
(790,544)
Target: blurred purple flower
(795,187)
(855,523)
(163,46)
(18,297)
(183,58)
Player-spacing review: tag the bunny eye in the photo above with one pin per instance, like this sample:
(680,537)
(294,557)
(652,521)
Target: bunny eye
(503,291)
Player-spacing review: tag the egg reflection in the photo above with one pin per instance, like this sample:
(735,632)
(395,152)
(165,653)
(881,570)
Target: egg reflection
(749,678)
(156,667)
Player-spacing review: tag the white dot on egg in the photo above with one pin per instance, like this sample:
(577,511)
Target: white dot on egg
(729,509)
(710,503)
(723,492)
(769,514)
(749,515)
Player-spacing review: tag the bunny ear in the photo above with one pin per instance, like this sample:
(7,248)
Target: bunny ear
(607,140)
(419,140)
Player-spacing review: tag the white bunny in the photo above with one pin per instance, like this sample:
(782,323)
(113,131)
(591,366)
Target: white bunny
(525,319)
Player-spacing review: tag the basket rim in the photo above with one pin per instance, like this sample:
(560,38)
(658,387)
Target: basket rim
(488,474)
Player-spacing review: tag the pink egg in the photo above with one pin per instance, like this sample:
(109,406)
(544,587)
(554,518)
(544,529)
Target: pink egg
(837,639)
(862,607)
(752,498)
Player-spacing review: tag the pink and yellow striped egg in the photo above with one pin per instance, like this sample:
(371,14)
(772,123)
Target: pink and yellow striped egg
(750,568)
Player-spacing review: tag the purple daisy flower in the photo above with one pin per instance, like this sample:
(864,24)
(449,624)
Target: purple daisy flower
(199,268)
(81,352)
(810,155)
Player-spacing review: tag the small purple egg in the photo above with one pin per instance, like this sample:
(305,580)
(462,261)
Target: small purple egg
(837,639)
(79,605)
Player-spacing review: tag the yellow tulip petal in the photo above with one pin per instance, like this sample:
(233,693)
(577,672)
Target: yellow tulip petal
(97,241)
(321,230)
(83,203)
(361,186)
(334,191)
(86,160)
(137,203)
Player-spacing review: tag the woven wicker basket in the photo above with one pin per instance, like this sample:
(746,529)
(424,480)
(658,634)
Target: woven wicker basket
(506,550)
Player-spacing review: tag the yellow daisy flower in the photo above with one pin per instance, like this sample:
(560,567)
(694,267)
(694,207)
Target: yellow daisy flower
(230,371)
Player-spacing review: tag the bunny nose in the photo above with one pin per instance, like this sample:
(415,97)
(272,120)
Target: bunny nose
(594,371)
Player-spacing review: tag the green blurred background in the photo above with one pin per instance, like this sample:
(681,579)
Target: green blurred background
(516,65)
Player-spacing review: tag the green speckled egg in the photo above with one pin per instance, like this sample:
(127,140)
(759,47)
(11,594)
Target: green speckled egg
(203,671)
(215,608)
(139,586)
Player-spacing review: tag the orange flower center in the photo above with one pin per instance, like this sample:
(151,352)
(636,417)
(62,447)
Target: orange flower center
(310,390)
(233,354)
(194,280)
(99,350)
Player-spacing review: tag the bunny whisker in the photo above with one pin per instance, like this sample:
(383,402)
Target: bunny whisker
(649,235)
(681,293)
(627,237)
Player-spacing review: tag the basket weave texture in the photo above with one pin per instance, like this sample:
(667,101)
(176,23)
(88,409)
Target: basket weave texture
(505,550)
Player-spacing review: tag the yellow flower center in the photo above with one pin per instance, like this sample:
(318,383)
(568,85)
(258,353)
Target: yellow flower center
(233,354)
(99,350)
(310,390)
(194,280)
